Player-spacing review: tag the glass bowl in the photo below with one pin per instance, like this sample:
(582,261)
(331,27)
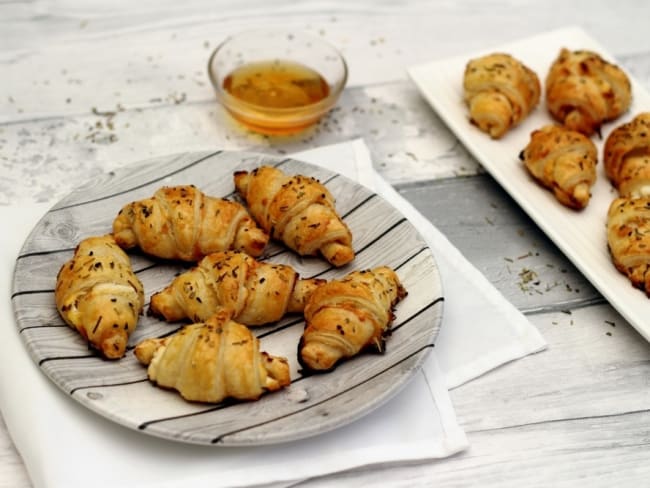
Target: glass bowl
(277,82)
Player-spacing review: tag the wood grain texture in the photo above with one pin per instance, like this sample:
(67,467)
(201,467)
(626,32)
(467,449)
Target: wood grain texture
(381,236)
(141,66)
(76,118)
(574,414)
(503,243)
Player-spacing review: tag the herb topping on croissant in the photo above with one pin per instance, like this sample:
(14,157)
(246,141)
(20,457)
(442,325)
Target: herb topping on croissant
(297,210)
(181,222)
(212,361)
(255,292)
(500,92)
(347,315)
(583,91)
(98,294)
(563,161)
(627,157)
(628,236)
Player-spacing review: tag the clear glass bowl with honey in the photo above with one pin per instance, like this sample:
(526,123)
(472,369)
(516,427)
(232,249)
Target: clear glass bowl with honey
(277,82)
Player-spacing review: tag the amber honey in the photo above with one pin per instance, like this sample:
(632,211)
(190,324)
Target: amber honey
(276,97)
(276,84)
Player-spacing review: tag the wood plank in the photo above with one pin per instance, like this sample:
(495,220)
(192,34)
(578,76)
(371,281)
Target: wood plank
(493,233)
(52,157)
(576,413)
(596,365)
(63,154)
(608,451)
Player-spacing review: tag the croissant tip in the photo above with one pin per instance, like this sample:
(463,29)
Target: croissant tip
(306,368)
(114,347)
(337,254)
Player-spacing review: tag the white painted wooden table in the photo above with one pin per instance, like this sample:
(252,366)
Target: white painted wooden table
(91,86)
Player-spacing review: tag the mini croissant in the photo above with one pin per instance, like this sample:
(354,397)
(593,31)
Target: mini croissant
(583,91)
(98,294)
(628,235)
(563,161)
(212,361)
(255,292)
(500,92)
(181,222)
(627,157)
(297,210)
(347,315)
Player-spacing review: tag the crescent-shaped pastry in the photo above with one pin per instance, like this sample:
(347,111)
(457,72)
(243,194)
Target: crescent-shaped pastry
(181,222)
(297,210)
(254,292)
(500,92)
(213,360)
(347,315)
(563,161)
(627,157)
(583,91)
(98,294)
(628,236)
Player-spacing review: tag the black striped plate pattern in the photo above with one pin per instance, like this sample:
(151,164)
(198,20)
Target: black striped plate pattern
(120,391)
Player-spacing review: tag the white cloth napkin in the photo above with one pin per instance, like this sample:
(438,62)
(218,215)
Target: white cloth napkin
(63,444)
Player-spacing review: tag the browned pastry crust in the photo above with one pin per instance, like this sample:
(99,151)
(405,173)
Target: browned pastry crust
(583,91)
(627,157)
(297,210)
(500,92)
(254,292)
(181,222)
(347,315)
(628,236)
(563,161)
(212,361)
(98,294)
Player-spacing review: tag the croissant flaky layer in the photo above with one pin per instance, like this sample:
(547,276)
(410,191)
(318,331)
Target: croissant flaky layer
(181,222)
(628,236)
(297,210)
(347,315)
(254,292)
(500,92)
(98,294)
(583,90)
(212,361)
(563,161)
(627,157)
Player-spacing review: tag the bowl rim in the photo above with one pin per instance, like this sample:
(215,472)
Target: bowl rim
(322,105)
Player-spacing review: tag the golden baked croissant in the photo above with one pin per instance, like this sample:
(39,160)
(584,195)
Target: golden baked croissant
(628,236)
(297,210)
(564,161)
(347,315)
(583,91)
(500,92)
(213,360)
(627,157)
(180,222)
(98,294)
(255,292)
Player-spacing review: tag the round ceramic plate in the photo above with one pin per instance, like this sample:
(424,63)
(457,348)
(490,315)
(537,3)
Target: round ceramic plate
(120,391)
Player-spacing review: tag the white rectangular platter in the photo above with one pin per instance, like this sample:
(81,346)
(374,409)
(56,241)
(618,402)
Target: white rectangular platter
(581,235)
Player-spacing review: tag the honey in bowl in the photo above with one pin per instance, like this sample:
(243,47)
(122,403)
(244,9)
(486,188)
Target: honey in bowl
(275,81)
(276,84)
